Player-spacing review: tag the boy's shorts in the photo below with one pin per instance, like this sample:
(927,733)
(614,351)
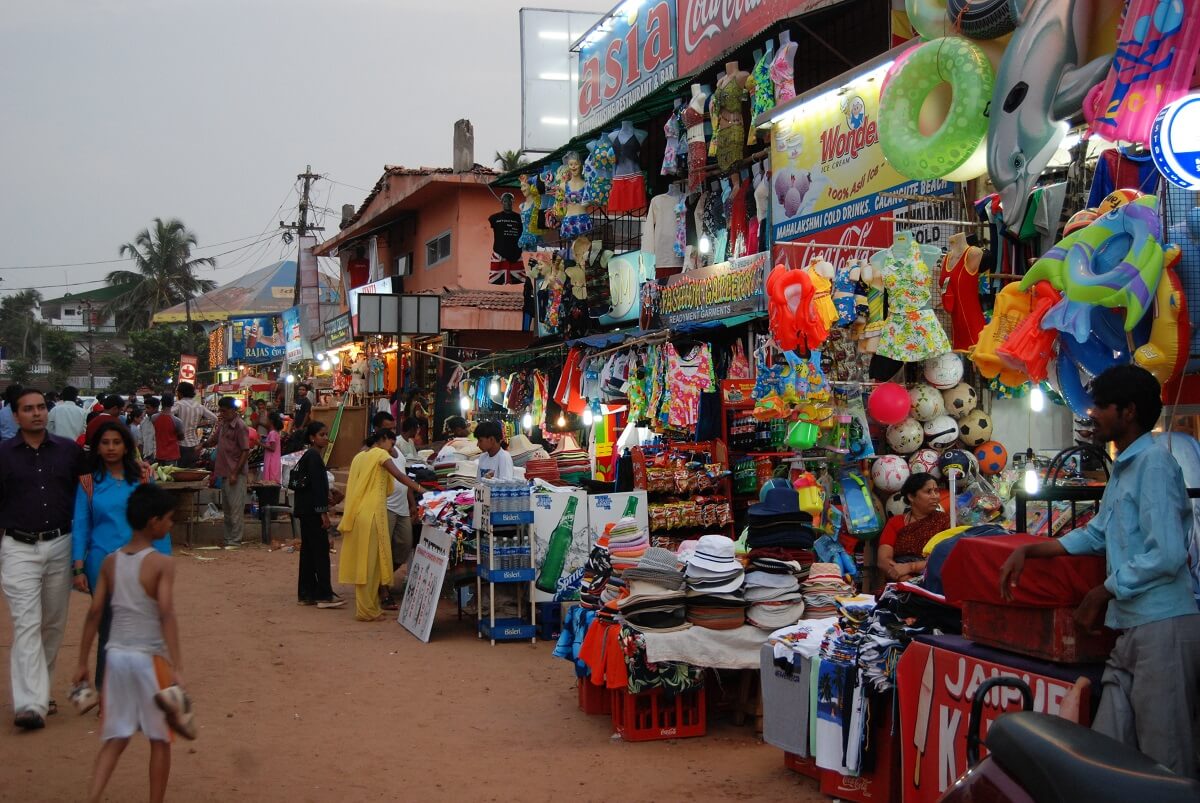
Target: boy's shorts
(131,679)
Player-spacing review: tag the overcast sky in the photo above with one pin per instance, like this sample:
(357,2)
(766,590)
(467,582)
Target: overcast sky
(120,111)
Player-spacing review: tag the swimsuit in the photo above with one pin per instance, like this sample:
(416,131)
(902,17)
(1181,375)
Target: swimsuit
(575,226)
(781,73)
(762,91)
(675,152)
(598,172)
(960,297)
(911,332)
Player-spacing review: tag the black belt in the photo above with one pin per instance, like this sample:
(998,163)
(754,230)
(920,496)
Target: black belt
(32,538)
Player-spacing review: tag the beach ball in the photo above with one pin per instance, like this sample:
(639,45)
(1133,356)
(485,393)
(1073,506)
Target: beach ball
(944,371)
(896,505)
(941,431)
(889,472)
(959,459)
(960,400)
(925,461)
(1079,220)
(992,457)
(926,403)
(889,403)
(1116,199)
(975,429)
(905,437)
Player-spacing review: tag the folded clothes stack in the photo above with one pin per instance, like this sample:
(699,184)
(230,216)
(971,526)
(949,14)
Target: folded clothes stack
(774,598)
(821,590)
(627,543)
(714,582)
(656,602)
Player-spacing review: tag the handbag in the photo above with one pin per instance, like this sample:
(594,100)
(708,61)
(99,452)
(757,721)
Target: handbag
(297,480)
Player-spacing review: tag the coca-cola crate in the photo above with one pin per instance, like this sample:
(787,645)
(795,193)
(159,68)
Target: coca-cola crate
(653,715)
(594,699)
(1047,633)
(803,765)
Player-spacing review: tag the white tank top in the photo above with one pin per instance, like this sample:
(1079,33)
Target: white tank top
(136,625)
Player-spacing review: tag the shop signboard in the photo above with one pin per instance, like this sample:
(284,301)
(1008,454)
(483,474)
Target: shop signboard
(429,561)
(187,367)
(624,59)
(709,29)
(257,339)
(293,340)
(382,286)
(337,331)
(720,291)
(827,166)
(936,686)
(560,529)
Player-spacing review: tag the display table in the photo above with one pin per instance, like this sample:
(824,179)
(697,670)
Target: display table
(713,649)
(191,493)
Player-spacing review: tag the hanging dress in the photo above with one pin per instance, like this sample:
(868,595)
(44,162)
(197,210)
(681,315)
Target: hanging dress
(598,172)
(675,146)
(911,332)
(762,91)
(782,74)
(697,149)
(729,127)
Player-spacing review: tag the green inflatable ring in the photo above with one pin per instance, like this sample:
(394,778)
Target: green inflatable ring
(962,136)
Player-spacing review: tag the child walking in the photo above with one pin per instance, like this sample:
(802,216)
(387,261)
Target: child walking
(140,686)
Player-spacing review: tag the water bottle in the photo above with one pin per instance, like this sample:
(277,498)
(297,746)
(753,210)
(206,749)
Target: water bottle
(254,505)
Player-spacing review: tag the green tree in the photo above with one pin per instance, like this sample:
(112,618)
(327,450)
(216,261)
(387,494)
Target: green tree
(20,371)
(19,326)
(509,160)
(151,358)
(165,274)
(59,351)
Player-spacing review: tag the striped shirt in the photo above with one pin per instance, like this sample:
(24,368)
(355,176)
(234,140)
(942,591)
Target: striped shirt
(191,413)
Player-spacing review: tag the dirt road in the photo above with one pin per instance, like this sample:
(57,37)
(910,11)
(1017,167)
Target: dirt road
(300,704)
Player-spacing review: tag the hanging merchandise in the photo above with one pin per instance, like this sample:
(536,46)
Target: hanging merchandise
(1166,353)
(675,151)
(573,194)
(911,331)
(725,109)
(629,183)
(598,170)
(688,375)
(694,115)
(761,88)
(660,229)
(781,70)
(507,230)
(1030,347)
(531,229)
(1013,306)
(960,292)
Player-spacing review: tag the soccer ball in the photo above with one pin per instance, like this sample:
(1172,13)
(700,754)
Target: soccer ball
(941,431)
(1116,199)
(959,459)
(976,429)
(927,403)
(925,460)
(1079,220)
(960,400)
(905,437)
(895,505)
(944,371)
(889,472)
(992,457)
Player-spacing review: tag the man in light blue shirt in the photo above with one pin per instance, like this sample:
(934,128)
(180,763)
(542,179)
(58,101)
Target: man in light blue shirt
(8,421)
(1149,693)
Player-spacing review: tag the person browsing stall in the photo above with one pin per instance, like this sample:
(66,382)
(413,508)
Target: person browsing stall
(192,414)
(904,536)
(1150,689)
(495,463)
(457,429)
(407,442)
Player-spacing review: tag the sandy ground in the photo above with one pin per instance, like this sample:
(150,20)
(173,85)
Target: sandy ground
(300,704)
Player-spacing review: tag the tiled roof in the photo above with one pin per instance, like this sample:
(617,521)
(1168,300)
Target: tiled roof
(483,299)
(400,170)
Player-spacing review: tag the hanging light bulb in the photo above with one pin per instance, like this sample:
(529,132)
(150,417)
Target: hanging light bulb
(494,388)
(1031,480)
(291,378)
(464,403)
(562,420)
(527,422)
(335,359)
(705,244)
(1037,399)
(326,365)
(588,418)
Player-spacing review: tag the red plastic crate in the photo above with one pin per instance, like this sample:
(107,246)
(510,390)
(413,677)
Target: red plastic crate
(1047,633)
(880,786)
(652,715)
(804,766)
(594,699)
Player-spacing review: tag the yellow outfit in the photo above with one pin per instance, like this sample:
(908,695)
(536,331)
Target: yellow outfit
(367,546)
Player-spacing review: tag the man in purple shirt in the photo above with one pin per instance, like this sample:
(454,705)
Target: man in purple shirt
(38,476)
(232,440)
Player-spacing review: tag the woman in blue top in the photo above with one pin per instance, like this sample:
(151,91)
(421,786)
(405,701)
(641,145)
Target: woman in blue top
(100,527)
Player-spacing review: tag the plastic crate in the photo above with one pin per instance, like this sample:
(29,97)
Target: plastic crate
(593,699)
(506,575)
(549,619)
(804,766)
(653,715)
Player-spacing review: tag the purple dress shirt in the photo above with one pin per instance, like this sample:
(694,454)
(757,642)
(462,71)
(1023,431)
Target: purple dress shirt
(37,486)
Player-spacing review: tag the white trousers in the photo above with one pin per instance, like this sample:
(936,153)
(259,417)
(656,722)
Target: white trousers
(36,579)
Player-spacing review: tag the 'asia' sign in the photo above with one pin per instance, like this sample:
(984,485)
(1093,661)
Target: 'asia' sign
(626,59)
(706,294)
(708,29)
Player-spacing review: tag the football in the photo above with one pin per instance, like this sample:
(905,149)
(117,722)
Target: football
(975,429)
(925,460)
(992,457)
(905,437)
(941,431)
(959,459)
(944,371)
(927,403)
(896,504)
(889,472)
(960,400)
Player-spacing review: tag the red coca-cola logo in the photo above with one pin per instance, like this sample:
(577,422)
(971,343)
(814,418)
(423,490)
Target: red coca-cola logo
(709,19)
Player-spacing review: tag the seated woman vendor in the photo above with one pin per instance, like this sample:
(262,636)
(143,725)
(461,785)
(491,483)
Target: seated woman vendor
(904,536)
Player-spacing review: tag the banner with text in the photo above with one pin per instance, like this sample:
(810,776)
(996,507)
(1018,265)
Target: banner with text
(709,29)
(624,60)
(292,333)
(257,339)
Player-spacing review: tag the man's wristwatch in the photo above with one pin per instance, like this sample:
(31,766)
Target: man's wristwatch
(76,572)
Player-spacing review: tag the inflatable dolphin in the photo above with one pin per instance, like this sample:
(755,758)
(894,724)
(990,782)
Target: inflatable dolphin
(1039,84)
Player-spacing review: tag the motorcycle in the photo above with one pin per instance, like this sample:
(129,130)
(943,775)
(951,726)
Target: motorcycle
(1041,758)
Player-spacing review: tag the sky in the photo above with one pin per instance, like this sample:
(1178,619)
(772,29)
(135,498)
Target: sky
(120,111)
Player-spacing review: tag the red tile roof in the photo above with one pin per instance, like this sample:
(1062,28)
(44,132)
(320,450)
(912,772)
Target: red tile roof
(484,299)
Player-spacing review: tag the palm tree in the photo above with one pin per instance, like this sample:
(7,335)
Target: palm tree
(510,160)
(165,274)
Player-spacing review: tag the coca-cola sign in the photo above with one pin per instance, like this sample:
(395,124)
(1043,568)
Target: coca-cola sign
(708,29)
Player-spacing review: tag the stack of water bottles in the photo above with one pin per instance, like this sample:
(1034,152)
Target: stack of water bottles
(509,547)
(507,496)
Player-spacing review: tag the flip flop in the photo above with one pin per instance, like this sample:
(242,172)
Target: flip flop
(174,702)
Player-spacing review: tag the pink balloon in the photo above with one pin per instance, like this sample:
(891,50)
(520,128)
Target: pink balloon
(889,403)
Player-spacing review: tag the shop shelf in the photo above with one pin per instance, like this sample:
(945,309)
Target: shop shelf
(512,629)
(506,575)
(593,699)
(653,715)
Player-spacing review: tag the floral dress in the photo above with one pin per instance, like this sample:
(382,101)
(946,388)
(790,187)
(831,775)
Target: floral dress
(598,172)
(675,147)
(687,377)
(762,91)
(911,332)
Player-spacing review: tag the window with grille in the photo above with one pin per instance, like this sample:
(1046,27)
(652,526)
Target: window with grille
(437,249)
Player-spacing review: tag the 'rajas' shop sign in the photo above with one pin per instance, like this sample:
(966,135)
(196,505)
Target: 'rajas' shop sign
(624,59)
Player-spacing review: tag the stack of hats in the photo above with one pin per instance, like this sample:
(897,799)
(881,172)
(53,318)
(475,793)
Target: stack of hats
(542,468)
(627,543)
(778,522)
(574,464)
(821,590)
(596,574)
(522,450)
(714,580)
(656,602)
(774,598)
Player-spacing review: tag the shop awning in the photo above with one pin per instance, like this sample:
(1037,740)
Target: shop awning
(728,323)
(267,291)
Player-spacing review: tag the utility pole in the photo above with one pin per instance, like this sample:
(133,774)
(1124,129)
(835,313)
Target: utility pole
(302,228)
(91,350)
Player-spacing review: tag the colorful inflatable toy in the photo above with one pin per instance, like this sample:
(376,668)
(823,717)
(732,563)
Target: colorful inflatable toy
(983,19)
(1166,354)
(957,150)
(1084,217)
(1079,265)
(1030,346)
(928,18)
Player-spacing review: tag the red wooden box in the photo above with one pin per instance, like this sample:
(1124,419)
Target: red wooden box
(1047,633)
(882,784)
(593,699)
(804,766)
(653,715)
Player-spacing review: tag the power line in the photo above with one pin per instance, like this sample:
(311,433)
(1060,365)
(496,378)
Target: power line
(122,259)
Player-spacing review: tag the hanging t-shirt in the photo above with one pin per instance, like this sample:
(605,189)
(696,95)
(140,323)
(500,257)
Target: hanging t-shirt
(506,232)
(1116,170)
(688,375)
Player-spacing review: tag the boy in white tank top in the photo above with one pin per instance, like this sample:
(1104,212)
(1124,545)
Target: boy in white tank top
(139,584)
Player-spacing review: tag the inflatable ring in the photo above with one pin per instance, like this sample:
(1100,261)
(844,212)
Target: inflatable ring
(1076,264)
(957,150)
(1170,334)
(928,18)
(982,19)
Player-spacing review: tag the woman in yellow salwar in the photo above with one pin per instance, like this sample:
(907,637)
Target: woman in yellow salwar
(367,545)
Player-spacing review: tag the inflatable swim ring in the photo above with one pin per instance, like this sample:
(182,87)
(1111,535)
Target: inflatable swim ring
(957,150)
(983,19)
(1170,334)
(1077,264)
